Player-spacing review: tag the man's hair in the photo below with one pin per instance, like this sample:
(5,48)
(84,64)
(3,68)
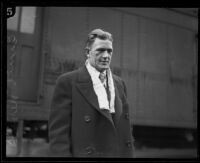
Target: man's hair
(97,33)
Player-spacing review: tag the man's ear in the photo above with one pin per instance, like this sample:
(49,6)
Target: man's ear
(87,52)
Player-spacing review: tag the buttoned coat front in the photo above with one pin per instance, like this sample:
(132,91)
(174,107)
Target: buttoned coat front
(79,128)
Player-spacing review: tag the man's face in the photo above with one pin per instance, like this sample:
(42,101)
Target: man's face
(100,54)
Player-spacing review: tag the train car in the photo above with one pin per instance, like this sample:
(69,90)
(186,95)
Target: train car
(155,52)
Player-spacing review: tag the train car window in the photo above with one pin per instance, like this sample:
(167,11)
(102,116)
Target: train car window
(12,22)
(28,20)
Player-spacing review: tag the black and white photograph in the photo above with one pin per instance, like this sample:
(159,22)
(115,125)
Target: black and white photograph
(101,82)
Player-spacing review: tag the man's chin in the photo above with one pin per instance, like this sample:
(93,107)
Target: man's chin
(102,68)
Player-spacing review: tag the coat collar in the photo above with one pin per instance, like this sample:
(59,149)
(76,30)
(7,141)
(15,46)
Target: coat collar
(85,86)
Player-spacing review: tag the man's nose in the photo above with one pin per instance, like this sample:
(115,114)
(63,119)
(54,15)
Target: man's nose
(105,54)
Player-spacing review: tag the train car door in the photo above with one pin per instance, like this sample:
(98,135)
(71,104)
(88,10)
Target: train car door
(23,54)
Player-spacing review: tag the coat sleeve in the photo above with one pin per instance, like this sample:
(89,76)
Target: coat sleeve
(60,119)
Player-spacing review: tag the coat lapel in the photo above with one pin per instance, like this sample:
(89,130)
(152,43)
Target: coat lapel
(118,104)
(85,86)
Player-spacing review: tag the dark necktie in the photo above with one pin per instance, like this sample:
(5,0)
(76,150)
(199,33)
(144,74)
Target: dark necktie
(102,77)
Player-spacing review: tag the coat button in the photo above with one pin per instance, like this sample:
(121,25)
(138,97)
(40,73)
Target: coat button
(128,144)
(87,118)
(89,150)
(127,116)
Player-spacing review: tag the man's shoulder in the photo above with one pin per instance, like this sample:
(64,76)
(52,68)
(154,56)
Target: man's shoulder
(71,75)
(118,79)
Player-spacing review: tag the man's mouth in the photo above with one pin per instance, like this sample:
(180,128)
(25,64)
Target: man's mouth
(104,62)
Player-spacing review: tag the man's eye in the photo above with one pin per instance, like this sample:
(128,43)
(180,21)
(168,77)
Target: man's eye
(103,50)
(109,50)
(100,50)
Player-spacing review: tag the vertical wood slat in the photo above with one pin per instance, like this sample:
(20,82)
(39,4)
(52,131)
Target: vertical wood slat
(19,136)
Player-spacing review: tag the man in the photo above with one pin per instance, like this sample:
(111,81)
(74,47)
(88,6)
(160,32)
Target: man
(89,113)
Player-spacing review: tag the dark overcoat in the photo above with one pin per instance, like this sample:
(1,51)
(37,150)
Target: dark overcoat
(77,126)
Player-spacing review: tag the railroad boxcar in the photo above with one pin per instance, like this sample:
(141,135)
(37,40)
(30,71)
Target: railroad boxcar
(155,52)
